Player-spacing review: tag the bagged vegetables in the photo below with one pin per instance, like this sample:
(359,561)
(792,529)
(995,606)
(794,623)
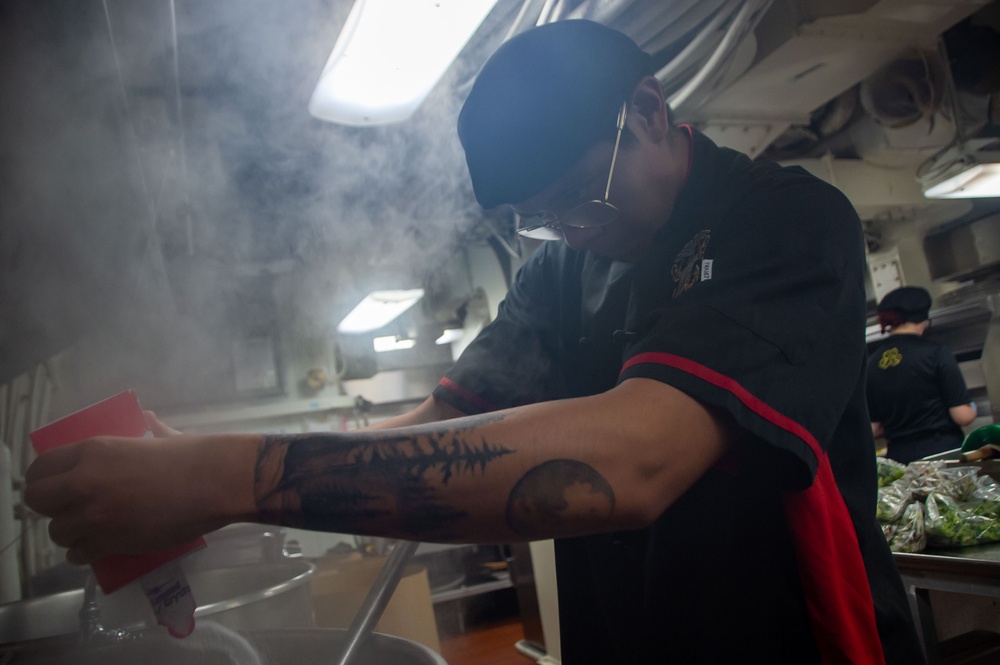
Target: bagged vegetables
(892,501)
(950,525)
(889,470)
(909,535)
(932,505)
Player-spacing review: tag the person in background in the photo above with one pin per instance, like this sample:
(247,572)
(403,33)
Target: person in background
(673,389)
(917,396)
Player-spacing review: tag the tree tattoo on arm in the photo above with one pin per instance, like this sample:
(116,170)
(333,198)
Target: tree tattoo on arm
(393,482)
(366,482)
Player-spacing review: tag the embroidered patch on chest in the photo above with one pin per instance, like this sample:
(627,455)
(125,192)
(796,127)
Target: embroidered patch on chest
(690,265)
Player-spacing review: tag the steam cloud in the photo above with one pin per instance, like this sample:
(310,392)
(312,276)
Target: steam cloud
(151,232)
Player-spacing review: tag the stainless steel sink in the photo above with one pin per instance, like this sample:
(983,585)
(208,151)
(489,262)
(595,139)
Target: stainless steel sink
(37,618)
(245,597)
(307,646)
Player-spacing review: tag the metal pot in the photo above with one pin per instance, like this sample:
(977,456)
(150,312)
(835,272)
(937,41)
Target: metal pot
(239,544)
(271,595)
(266,595)
(307,646)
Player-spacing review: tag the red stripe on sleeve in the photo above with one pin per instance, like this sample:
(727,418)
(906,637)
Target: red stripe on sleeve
(472,398)
(833,575)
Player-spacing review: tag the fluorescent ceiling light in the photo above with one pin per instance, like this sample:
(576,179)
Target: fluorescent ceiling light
(967,181)
(966,170)
(392,343)
(450,335)
(378,309)
(389,56)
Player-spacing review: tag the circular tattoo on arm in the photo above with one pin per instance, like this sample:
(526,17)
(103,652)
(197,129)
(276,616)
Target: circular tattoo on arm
(552,495)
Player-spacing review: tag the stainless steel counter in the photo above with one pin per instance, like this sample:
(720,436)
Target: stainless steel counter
(971,571)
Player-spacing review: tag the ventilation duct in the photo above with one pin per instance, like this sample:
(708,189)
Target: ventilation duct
(901,124)
(905,91)
(967,252)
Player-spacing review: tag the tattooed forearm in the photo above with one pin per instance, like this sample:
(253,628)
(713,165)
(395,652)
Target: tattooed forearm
(371,482)
(542,501)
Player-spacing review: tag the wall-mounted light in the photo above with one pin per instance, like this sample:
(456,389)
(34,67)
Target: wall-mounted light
(449,335)
(392,343)
(389,56)
(378,309)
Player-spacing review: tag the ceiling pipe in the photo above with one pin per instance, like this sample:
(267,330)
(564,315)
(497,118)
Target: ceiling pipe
(741,25)
(182,137)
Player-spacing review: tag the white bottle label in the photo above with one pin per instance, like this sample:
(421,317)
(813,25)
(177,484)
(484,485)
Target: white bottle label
(170,595)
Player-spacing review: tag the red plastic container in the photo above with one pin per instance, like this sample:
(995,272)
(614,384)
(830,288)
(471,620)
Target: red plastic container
(120,415)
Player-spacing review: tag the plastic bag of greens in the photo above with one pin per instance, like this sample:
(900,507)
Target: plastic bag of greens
(892,501)
(889,530)
(986,498)
(925,478)
(959,482)
(987,489)
(910,535)
(948,525)
(889,471)
(922,478)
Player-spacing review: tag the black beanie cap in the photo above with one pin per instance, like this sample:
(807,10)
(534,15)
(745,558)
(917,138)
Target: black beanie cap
(912,302)
(541,100)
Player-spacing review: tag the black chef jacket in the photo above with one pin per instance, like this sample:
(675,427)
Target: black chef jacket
(751,299)
(912,382)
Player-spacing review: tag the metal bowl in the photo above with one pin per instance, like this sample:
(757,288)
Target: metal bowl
(306,646)
(46,616)
(271,595)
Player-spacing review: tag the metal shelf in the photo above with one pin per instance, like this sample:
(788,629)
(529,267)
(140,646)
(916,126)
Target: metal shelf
(502,581)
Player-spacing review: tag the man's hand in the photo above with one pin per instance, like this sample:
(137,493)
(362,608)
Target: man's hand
(158,427)
(114,495)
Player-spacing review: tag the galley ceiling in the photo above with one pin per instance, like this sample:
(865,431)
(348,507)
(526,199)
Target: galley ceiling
(160,176)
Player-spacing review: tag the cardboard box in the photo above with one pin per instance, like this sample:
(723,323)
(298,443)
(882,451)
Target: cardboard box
(341,584)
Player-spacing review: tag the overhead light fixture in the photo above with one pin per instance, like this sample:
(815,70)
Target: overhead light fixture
(378,309)
(389,56)
(449,335)
(968,176)
(392,343)
(969,167)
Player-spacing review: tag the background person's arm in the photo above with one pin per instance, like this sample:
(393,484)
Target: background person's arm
(431,410)
(611,461)
(963,414)
(953,389)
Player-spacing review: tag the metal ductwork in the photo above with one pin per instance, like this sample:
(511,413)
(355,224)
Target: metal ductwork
(906,90)
(969,252)
(902,124)
(968,318)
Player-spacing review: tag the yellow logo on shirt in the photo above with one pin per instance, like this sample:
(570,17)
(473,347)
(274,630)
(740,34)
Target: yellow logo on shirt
(890,358)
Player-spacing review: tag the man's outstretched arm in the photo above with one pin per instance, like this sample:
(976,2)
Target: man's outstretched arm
(556,469)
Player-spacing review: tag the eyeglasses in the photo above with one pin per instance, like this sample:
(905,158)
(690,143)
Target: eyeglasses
(547,225)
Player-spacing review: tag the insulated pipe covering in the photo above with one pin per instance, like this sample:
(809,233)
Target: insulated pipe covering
(905,91)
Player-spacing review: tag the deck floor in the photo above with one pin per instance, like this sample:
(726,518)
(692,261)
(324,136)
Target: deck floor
(486,644)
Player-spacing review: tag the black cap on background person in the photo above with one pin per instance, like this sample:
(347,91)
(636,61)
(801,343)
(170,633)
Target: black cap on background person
(540,101)
(907,304)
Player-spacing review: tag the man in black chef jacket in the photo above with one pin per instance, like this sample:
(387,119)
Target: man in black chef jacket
(674,390)
(917,395)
